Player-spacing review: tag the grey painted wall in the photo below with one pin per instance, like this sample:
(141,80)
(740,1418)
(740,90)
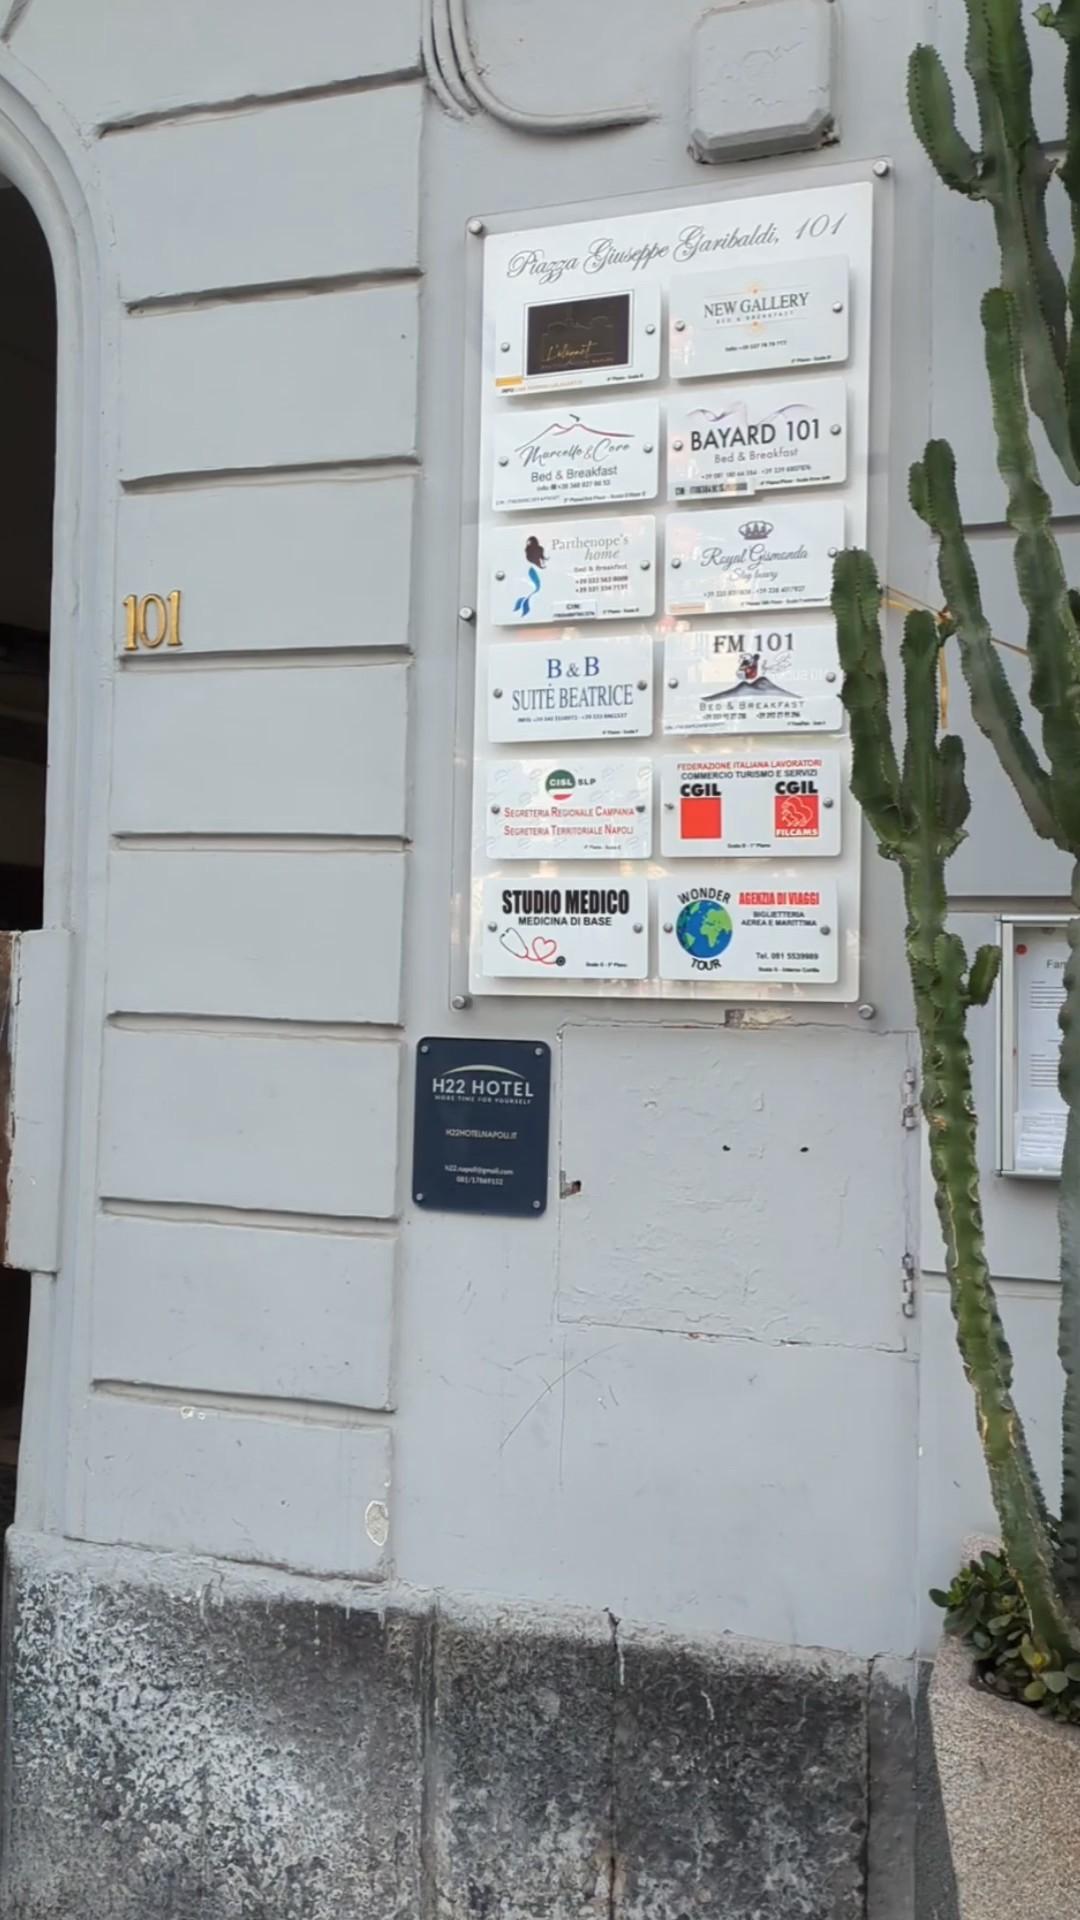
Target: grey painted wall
(253,1348)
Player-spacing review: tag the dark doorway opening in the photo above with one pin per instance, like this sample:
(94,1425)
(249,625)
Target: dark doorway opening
(27,475)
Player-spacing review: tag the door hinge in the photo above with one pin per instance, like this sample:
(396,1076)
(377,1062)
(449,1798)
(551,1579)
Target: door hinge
(909,1112)
(908,1300)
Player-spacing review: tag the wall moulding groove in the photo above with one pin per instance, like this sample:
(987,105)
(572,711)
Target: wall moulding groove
(355,1226)
(241,103)
(374,469)
(196,299)
(315,1413)
(248,1027)
(254,658)
(256,843)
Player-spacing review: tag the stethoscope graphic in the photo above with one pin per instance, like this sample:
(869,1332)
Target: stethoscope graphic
(543,951)
(535,555)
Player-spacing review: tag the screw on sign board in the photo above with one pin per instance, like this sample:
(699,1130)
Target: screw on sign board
(765,929)
(752,439)
(589,454)
(570,809)
(753,679)
(547,345)
(732,560)
(784,314)
(595,689)
(752,804)
(480,1139)
(573,570)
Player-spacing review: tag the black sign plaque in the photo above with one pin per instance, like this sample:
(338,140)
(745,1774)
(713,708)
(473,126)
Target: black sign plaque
(480,1142)
(574,336)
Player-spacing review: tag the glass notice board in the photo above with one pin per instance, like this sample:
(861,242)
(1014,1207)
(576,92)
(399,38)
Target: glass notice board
(1031,1117)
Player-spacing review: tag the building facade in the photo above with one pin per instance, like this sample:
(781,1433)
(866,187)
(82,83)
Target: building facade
(371,1558)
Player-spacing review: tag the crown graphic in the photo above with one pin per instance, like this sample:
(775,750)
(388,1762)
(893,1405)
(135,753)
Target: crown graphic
(756,529)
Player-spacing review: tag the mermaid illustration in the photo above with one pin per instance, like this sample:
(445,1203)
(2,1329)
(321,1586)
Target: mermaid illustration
(537,559)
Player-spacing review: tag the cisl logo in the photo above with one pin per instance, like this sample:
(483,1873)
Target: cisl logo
(796,810)
(560,784)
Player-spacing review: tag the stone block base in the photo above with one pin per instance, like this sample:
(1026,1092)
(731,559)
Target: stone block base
(199,1743)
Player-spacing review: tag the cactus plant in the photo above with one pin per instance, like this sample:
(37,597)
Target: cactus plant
(1031,331)
(917,810)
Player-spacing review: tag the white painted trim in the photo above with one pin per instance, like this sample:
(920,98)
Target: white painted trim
(43,156)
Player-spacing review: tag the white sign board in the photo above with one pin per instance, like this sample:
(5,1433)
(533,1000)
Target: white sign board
(568,689)
(570,570)
(554,342)
(745,440)
(1039,1112)
(783,804)
(566,929)
(761,679)
(569,809)
(585,455)
(762,929)
(737,319)
(784,313)
(736,560)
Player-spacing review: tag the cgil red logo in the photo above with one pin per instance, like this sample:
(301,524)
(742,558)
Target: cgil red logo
(701,817)
(797,816)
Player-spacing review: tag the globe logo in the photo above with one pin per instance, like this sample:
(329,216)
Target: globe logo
(704,929)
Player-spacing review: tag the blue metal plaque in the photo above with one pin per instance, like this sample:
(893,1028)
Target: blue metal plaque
(480,1141)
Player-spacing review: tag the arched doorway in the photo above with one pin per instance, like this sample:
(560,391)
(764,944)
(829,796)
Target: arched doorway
(28,373)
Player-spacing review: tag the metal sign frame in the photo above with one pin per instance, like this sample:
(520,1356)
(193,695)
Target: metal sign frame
(782,180)
(1010,925)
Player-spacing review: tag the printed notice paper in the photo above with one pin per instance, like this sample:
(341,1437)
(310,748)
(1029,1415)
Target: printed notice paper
(1040,1111)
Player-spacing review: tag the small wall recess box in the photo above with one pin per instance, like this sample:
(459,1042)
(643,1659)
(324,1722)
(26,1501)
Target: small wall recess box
(762,79)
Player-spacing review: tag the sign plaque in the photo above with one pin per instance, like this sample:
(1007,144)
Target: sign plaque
(558,689)
(595,928)
(579,456)
(545,571)
(586,340)
(671,445)
(480,1141)
(753,680)
(735,559)
(782,313)
(569,810)
(783,804)
(759,929)
(744,440)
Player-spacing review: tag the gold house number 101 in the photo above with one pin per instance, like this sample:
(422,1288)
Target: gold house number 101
(151,621)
